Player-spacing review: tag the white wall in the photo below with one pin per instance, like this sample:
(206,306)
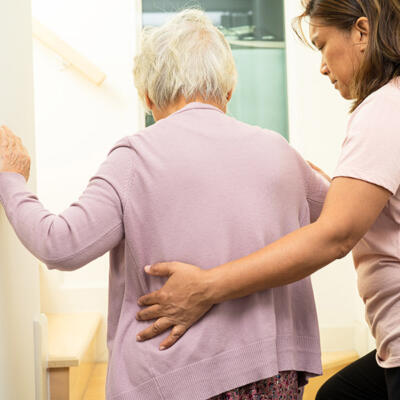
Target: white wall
(77,123)
(19,277)
(318,117)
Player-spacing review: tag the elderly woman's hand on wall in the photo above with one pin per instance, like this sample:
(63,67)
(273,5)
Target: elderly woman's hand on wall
(13,155)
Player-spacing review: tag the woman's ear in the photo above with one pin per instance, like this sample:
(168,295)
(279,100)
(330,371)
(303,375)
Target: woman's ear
(362,32)
(149,103)
(229,96)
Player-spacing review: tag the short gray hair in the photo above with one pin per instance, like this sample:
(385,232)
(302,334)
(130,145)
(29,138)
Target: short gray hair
(187,56)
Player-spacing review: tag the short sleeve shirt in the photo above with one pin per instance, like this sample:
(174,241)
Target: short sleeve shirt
(371,152)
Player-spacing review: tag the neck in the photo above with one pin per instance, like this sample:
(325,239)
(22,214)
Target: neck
(178,105)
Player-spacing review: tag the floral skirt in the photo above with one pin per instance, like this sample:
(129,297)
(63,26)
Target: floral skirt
(283,386)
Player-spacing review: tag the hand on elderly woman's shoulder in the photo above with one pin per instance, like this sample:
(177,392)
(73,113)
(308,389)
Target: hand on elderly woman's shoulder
(14,157)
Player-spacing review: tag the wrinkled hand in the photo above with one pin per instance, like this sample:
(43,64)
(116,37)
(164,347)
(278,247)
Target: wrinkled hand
(319,170)
(13,155)
(181,302)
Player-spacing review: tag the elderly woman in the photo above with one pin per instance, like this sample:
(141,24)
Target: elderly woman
(360,55)
(197,186)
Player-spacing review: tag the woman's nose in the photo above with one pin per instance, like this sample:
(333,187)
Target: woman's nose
(324,68)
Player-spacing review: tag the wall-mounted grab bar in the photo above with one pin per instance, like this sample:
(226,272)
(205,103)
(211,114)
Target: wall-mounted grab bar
(70,55)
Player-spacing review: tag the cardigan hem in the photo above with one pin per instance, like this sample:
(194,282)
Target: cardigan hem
(208,378)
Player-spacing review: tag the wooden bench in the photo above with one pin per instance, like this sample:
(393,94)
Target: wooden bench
(71,353)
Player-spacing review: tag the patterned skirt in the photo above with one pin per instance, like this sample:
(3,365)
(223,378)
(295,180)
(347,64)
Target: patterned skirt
(283,386)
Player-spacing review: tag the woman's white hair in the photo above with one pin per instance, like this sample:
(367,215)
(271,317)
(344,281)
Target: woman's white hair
(187,56)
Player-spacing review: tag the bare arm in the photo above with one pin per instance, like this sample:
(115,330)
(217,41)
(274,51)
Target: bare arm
(350,209)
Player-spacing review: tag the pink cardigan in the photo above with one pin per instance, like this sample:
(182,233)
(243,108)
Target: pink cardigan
(198,187)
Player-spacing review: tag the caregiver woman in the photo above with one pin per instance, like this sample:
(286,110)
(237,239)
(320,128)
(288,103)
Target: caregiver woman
(360,45)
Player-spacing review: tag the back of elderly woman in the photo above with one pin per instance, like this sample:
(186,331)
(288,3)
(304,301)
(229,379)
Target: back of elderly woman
(200,187)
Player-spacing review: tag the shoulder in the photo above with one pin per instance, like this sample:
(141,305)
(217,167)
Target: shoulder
(128,144)
(387,93)
(371,150)
(266,136)
(380,108)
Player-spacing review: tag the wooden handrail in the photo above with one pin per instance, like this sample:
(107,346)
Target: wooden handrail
(70,55)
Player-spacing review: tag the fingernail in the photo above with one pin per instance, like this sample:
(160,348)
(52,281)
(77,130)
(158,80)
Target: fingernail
(139,338)
(162,348)
(147,268)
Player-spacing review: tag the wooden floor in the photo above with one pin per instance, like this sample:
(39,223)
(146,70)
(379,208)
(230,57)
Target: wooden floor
(97,383)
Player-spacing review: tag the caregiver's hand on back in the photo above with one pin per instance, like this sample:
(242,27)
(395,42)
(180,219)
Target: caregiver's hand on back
(13,155)
(184,299)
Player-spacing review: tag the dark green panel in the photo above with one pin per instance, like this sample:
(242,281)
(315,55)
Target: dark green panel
(149,119)
(265,15)
(209,5)
(260,96)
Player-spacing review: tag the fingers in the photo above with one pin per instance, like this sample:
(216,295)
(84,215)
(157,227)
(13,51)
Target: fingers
(6,129)
(177,332)
(150,299)
(8,138)
(313,166)
(149,313)
(159,269)
(14,157)
(7,133)
(4,136)
(158,327)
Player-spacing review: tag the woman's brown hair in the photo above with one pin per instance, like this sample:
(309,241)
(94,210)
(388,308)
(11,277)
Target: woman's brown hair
(382,57)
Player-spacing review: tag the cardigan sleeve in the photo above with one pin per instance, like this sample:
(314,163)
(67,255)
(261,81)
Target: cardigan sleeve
(86,230)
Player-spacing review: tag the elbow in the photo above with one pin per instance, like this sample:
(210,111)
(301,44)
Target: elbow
(53,253)
(344,247)
(62,264)
(53,261)
(339,240)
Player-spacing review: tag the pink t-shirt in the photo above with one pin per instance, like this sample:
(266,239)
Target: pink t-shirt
(371,152)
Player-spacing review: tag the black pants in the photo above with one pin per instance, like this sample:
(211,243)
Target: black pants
(362,380)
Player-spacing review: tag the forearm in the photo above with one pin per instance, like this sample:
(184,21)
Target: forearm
(191,291)
(350,209)
(292,258)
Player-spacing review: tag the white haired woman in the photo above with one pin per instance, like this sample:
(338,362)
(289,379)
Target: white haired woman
(197,186)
